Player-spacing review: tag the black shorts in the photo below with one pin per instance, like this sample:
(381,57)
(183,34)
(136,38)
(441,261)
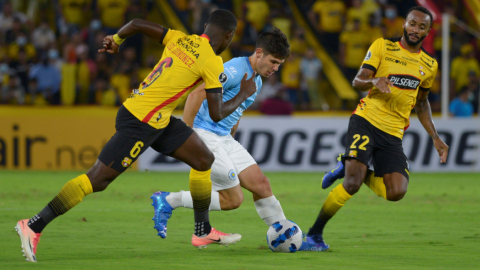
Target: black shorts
(365,142)
(133,137)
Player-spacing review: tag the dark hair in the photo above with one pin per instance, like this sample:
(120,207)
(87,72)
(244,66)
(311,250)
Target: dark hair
(224,19)
(424,10)
(274,42)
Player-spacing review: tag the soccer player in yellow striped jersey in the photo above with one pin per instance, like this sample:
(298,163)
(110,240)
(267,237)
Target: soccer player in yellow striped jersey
(145,121)
(398,74)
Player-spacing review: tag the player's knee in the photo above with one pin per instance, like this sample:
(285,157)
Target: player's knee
(352,183)
(396,194)
(236,201)
(204,162)
(233,202)
(100,182)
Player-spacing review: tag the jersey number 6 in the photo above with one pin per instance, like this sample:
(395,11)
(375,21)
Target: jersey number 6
(167,62)
(137,148)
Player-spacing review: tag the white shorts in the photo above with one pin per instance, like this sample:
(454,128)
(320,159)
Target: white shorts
(231,158)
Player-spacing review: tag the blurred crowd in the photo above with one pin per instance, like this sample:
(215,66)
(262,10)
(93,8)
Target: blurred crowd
(48,49)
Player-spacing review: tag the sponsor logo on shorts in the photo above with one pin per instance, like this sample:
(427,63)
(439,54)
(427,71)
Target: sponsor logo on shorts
(352,153)
(126,162)
(232,175)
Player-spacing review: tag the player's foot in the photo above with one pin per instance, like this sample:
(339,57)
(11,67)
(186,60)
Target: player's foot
(314,243)
(163,211)
(331,176)
(215,237)
(29,240)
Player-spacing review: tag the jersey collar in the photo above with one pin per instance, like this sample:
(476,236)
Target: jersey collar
(205,36)
(400,42)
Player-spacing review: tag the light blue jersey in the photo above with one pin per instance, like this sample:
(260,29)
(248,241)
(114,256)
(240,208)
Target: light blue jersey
(234,71)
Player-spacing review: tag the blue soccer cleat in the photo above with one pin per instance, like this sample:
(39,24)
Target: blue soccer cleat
(163,211)
(331,176)
(314,243)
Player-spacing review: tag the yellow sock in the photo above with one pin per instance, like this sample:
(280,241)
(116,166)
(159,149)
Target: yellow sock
(71,194)
(376,184)
(201,189)
(335,200)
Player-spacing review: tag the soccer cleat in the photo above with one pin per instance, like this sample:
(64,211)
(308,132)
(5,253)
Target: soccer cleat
(215,237)
(330,177)
(29,240)
(163,211)
(314,243)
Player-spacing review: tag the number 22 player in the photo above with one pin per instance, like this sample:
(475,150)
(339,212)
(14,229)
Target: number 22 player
(399,73)
(145,120)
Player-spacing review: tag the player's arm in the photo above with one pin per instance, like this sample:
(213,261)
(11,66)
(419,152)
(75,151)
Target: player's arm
(193,104)
(218,109)
(234,128)
(364,81)
(424,113)
(155,31)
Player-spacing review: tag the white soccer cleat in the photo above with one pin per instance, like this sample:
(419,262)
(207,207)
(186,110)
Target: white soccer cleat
(29,240)
(215,237)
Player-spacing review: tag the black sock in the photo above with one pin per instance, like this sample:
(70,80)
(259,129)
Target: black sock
(317,227)
(202,224)
(38,222)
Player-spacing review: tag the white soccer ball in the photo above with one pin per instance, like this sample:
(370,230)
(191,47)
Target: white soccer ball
(284,236)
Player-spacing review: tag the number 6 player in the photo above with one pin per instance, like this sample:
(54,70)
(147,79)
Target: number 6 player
(145,120)
(399,73)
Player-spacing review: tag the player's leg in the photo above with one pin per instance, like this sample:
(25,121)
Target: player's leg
(390,179)
(268,207)
(360,143)
(116,153)
(181,142)
(226,191)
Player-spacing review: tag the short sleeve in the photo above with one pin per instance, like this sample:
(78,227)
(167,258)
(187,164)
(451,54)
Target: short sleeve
(427,83)
(230,80)
(170,34)
(374,55)
(213,75)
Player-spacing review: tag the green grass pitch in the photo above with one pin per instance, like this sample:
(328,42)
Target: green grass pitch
(436,226)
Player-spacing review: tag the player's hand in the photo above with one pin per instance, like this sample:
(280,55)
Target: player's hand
(109,45)
(248,87)
(383,84)
(442,149)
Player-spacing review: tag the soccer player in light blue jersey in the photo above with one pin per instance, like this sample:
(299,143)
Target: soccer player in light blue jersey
(234,167)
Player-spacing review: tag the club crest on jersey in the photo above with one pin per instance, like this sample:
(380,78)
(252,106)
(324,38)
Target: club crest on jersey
(352,153)
(368,56)
(232,175)
(404,82)
(223,78)
(422,73)
(126,162)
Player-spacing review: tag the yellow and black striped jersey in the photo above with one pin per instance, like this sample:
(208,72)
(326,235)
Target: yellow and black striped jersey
(186,61)
(409,73)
